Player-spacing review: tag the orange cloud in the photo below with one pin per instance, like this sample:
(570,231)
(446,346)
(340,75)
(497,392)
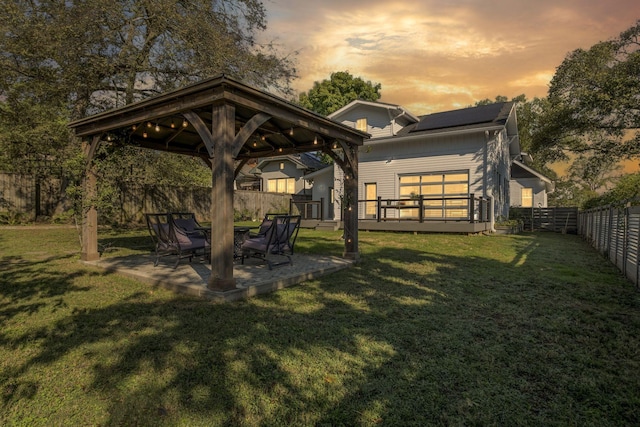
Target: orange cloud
(432,55)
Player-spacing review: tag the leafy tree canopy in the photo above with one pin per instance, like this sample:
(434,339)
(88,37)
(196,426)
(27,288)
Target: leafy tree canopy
(594,101)
(62,60)
(340,89)
(626,189)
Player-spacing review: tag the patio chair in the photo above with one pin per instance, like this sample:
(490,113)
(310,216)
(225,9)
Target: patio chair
(266,223)
(171,239)
(188,223)
(278,240)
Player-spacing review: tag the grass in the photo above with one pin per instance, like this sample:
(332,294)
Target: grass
(532,329)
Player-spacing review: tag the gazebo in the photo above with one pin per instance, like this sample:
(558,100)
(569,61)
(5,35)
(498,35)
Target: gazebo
(225,123)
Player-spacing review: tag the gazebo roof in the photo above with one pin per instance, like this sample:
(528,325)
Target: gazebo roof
(157,122)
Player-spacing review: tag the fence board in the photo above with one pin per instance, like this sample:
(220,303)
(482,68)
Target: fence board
(559,220)
(615,232)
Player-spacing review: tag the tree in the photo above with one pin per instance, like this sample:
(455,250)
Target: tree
(594,101)
(341,88)
(65,59)
(626,189)
(487,101)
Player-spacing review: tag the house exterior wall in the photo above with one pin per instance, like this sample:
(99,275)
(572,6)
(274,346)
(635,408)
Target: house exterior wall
(538,187)
(384,163)
(378,120)
(498,167)
(321,190)
(271,170)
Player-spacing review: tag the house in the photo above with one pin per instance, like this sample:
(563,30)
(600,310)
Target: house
(432,167)
(285,174)
(528,187)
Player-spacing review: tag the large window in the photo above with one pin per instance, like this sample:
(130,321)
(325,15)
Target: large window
(282,185)
(527,197)
(445,195)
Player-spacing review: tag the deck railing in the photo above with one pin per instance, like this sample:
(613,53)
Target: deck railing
(421,208)
(308,209)
(615,232)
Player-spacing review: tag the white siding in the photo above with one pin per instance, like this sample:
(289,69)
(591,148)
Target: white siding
(539,191)
(498,172)
(378,120)
(321,190)
(271,170)
(383,163)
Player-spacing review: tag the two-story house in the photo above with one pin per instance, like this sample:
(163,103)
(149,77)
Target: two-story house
(442,158)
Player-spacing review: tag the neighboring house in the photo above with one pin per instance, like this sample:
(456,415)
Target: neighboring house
(529,188)
(443,155)
(285,174)
(245,180)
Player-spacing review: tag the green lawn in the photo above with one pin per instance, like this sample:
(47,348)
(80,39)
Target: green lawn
(534,329)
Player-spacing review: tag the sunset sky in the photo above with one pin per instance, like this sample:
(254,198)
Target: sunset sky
(438,55)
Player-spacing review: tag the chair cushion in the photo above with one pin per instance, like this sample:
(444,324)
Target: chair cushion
(258,244)
(187,224)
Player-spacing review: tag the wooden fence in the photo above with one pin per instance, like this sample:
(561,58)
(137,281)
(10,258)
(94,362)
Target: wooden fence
(614,232)
(559,220)
(23,199)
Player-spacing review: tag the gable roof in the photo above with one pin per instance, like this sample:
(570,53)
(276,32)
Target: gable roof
(520,170)
(395,109)
(490,115)
(307,161)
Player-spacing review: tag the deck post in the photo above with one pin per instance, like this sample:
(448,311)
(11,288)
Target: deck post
(471,206)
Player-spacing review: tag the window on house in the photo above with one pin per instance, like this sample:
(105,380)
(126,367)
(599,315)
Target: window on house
(281,185)
(445,194)
(281,165)
(527,198)
(361,124)
(371,193)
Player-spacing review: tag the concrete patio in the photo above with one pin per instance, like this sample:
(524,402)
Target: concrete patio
(253,278)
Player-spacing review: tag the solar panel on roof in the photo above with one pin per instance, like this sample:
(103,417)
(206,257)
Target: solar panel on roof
(464,117)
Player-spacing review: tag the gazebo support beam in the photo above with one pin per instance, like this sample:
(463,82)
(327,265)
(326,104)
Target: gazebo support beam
(223,133)
(350,206)
(89,212)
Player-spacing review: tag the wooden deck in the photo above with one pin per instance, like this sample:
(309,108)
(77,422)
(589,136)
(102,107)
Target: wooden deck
(411,226)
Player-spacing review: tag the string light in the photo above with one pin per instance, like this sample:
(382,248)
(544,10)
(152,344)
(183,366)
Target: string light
(144,134)
(315,140)
(291,132)
(185,123)
(134,127)
(149,125)
(157,127)
(173,125)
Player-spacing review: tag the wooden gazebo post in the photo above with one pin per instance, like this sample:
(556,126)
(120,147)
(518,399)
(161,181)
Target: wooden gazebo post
(223,133)
(89,213)
(351,250)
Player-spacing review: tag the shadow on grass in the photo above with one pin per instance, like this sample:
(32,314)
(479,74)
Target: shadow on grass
(411,335)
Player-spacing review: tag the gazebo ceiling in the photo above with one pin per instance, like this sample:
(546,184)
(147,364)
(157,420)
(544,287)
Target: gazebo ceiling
(167,122)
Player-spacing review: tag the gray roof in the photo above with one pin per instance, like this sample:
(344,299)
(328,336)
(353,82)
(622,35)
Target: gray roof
(481,116)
